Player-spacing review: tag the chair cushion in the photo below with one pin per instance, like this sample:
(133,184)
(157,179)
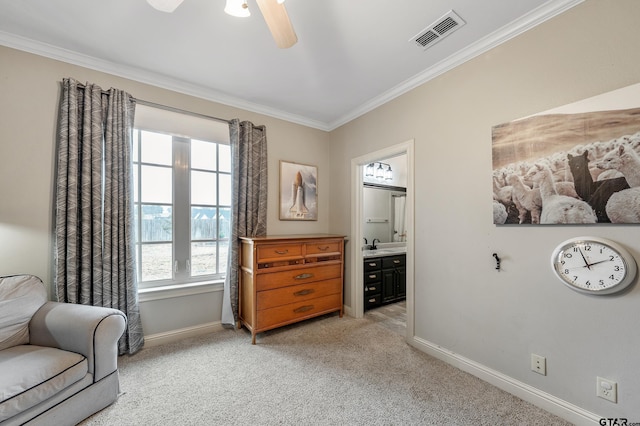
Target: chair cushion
(20,297)
(32,374)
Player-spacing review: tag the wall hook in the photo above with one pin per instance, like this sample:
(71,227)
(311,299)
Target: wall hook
(495,255)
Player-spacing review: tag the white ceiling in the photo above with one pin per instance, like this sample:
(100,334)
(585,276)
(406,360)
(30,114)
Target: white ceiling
(351,55)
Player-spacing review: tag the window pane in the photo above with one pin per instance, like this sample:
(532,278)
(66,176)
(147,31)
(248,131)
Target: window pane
(203,188)
(203,258)
(225,158)
(203,223)
(157,148)
(223,249)
(225,223)
(225,190)
(135,184)
(136,134)
(156,185)
(156,262)
(157,223)
(203,155)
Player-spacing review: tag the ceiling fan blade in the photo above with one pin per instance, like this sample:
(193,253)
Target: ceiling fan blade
(165,5)
(277,19)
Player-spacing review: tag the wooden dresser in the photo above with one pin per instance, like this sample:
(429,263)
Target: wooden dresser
(289,278)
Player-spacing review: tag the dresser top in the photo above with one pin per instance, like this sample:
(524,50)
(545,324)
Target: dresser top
(292,237)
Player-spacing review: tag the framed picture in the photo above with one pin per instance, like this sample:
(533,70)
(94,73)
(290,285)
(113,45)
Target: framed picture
(298,191)
(576,164)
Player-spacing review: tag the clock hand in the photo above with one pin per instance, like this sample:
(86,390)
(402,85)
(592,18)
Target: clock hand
(600,261)
(584,258)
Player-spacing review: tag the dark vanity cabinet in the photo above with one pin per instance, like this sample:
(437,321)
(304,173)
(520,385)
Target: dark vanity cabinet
(394,278)
(384,280)
(372,283)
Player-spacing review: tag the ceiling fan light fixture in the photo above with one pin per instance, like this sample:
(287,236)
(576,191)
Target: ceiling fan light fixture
(280,1)
(165,5)
(237,8)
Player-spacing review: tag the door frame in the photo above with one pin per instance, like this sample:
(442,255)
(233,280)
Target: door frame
(357,218)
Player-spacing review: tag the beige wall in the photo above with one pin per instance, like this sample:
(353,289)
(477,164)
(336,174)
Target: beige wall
(29,88)
(497,319)
(494,319)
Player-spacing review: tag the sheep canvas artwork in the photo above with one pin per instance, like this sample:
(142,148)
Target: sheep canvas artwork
(568,168)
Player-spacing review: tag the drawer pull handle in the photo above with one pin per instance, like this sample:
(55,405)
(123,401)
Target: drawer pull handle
(372,300)
(302,276)
(396,261)
(281,251)
(372,264)
(304,292)
(325,248)
(304,308)
(372,276)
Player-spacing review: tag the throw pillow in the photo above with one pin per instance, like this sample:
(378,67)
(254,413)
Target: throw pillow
(20,297)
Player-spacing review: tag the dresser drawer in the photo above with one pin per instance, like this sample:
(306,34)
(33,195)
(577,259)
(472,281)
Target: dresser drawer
(370,289)
(322,247)
(298,293)
(278,251)
(372,301)
(392,261)
(272,280)
(372,276)
(372,264)
(281,315)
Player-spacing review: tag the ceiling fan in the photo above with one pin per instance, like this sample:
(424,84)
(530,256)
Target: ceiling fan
(273,11)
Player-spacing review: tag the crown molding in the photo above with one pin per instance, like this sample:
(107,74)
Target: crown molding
(543,13)
(148,77)
(547,11)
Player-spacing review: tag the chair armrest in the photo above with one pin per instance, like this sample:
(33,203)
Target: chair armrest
(88,330)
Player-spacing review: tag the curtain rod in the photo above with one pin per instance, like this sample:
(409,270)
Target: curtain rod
(181,111)
(165,107)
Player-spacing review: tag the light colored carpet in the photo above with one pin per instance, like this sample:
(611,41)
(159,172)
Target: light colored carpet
(325,371)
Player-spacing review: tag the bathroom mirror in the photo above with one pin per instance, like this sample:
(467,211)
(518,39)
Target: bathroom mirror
(384,213)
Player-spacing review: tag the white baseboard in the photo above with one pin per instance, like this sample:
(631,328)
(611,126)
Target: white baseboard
(181,333)
(547,402)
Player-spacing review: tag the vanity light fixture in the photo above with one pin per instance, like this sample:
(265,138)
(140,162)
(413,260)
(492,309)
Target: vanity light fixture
(238,8)
(378,172)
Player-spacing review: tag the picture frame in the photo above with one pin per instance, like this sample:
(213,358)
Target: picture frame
(298,191)
(575,164)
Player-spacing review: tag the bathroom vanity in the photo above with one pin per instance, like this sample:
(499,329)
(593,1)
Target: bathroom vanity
(384,276)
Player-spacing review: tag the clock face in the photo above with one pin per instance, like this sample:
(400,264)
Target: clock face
(593,265)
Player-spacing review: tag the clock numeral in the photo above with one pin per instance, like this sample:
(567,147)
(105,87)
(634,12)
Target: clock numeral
(611,277)
(587,248)
(601,282)
(588,283)
(568,255)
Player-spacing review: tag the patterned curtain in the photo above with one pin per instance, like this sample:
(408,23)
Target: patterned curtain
(249,208)
(94,246)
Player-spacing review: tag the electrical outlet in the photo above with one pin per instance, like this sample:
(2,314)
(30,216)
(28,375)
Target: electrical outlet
(607,389)
(539,364)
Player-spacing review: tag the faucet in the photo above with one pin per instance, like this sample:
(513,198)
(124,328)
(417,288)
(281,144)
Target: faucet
(373,244)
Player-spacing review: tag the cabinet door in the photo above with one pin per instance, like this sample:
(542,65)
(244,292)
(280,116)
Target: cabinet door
(401,282)
(388,285)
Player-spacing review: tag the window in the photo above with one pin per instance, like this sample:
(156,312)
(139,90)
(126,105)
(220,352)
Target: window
(182,200)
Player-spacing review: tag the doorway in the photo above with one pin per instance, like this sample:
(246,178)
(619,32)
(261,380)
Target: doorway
(358,218)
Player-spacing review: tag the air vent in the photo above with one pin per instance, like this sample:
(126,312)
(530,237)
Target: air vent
(438,30)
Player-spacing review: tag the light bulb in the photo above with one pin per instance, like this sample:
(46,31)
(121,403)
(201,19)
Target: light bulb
(238,8)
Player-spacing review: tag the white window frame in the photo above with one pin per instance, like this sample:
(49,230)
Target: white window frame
(177,126)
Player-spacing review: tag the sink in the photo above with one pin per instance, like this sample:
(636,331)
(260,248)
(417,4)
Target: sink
(384,251)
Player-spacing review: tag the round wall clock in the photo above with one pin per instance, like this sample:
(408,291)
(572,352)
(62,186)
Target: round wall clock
(593,265)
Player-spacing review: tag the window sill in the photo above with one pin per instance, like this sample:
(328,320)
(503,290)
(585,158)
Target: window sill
(173,291)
